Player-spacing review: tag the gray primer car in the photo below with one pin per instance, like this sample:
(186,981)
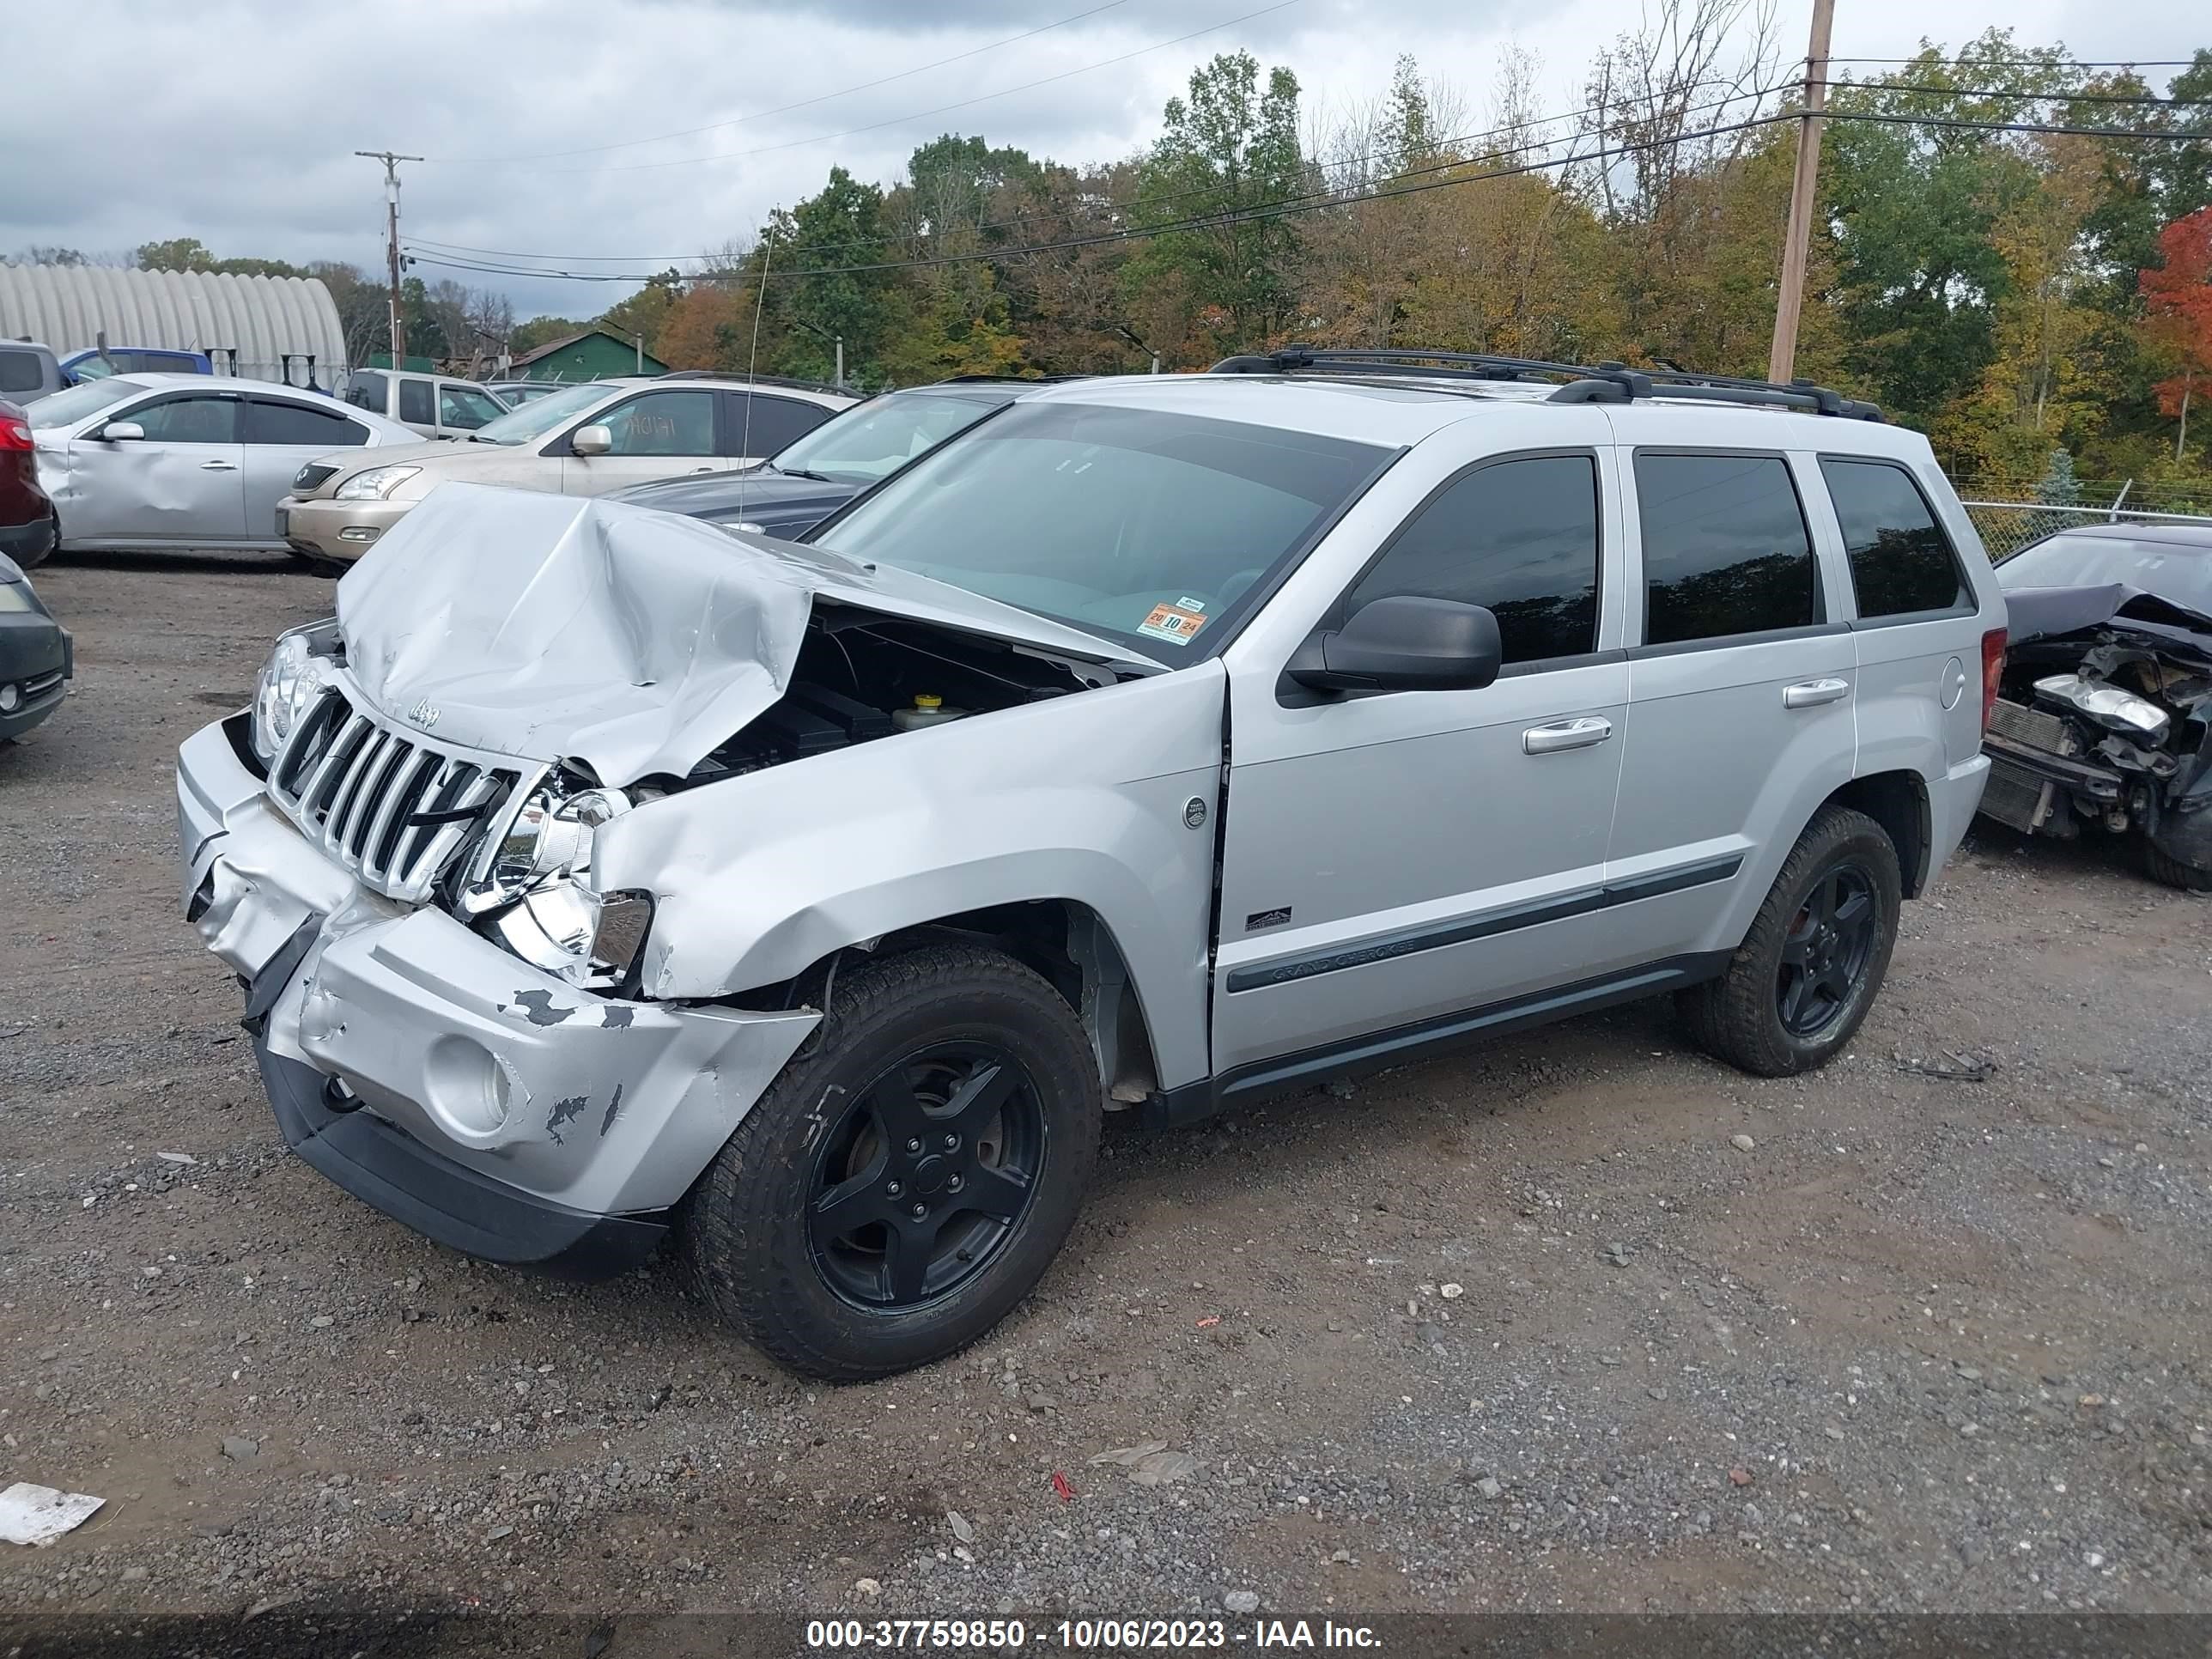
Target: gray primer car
(1157,743)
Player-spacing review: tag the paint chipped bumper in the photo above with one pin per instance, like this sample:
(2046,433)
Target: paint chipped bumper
(433,1074)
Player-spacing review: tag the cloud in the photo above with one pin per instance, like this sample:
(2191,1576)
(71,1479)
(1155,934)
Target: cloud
(529,111)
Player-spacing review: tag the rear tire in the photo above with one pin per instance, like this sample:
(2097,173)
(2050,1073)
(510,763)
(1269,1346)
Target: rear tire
(1808,969)
(911,1174)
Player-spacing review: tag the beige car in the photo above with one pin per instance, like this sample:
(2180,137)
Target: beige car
(584,440)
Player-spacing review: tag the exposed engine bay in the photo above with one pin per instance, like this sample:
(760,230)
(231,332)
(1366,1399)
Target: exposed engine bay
(862,677)
(2104,723)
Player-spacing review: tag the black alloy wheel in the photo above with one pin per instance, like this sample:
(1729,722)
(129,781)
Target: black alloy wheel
(909,1176)
(1826,952)
(918,1186)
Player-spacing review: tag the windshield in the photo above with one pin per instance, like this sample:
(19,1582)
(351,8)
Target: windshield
(536,419)
(68,408)
(1157,528)
(876,439)
(92,368)
(2175,571)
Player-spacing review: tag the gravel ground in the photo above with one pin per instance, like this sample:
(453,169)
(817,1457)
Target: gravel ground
(1580,1320)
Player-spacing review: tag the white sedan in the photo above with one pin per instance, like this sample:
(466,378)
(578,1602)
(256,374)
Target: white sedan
(187,460)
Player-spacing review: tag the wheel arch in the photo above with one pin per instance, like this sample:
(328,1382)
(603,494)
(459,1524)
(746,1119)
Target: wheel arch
(1897,801)
(1065,941)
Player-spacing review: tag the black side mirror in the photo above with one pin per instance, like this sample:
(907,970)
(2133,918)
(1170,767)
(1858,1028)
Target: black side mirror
(1403,643)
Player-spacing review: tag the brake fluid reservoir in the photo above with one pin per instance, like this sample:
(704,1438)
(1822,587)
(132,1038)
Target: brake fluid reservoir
(927,710)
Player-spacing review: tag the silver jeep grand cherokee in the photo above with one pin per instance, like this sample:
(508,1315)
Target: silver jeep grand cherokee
(596,874)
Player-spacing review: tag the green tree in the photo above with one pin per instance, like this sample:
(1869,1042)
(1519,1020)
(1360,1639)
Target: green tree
(644,312)
(2059,486)
(544,331)
(178,253)
(1227,149)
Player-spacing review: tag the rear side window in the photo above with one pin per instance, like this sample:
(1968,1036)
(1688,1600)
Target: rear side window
(301,425)
(1520,536)
(775,422)
(415,403)
(21,371)
(1901,560)
(1725,547)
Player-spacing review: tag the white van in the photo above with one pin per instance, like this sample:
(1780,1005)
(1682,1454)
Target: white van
(435,405)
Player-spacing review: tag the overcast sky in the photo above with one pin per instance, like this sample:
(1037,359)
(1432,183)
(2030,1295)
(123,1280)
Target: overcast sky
(235,120)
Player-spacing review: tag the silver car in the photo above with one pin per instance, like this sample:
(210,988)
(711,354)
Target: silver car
(584,440)
(598,875)
(185,461)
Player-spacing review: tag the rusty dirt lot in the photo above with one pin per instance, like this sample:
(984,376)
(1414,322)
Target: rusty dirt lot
(1579,1320)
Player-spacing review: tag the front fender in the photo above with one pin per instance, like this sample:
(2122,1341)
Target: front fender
(1082,798)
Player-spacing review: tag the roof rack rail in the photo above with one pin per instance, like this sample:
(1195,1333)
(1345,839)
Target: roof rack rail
(756,379)
(1583,383)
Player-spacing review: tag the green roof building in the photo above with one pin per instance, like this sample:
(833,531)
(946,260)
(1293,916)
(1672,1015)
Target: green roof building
(594,355)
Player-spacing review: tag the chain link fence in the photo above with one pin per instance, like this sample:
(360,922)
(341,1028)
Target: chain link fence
(2006,527)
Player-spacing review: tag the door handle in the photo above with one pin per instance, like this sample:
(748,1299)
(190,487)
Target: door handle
(218,466)
(1811,694)
(1578,733)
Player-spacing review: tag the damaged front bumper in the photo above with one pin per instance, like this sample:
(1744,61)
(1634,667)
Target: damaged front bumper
(491,1106)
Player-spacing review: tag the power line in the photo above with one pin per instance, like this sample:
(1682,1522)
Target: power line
(1289,206)
(2168,136)
(2021,97)
(1283,208)
(2031,63)
(941,109)
(1138,203)
(781,109)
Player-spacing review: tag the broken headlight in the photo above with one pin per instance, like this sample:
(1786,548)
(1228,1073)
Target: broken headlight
(290,681)
(2107,705)
(531,882)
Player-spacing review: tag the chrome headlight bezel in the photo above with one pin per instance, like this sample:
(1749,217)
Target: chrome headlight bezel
(529,886)
(374,484)
(289,682)
(2110,707)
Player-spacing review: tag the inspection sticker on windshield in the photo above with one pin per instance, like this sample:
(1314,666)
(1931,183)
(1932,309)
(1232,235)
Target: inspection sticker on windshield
(1175,623)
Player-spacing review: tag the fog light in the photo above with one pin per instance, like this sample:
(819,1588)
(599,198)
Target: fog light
(10,698)
(358,533)
(463,1085)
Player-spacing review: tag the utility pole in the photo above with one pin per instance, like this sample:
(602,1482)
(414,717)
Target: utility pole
(1781,360)
(392,240)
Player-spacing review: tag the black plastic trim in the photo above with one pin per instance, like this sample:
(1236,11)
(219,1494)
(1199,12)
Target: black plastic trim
(1730,641)
(445,1201)
(1405,1043)
(1487,924)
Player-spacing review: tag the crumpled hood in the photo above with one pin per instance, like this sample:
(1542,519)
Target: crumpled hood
(551,628)
(2037,613)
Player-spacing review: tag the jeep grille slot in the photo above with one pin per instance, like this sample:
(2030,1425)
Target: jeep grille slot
(380,799)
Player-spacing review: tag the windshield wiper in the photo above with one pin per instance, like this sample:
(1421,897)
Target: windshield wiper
(799,472)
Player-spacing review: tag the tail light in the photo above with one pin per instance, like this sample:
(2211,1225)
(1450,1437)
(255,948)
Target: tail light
(14,434)
(1993,650)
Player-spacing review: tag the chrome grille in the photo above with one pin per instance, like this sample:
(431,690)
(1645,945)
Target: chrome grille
(385,802)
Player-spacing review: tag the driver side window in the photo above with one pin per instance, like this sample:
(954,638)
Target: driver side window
(1520,536)
(189,420)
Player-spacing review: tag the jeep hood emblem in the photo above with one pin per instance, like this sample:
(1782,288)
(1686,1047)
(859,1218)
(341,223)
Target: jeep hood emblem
(424,714)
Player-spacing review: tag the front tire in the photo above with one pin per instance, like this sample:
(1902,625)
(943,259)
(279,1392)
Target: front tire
(909,1177)
(1799,985)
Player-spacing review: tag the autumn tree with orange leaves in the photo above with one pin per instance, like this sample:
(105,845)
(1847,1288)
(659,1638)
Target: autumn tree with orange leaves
(2177,297)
